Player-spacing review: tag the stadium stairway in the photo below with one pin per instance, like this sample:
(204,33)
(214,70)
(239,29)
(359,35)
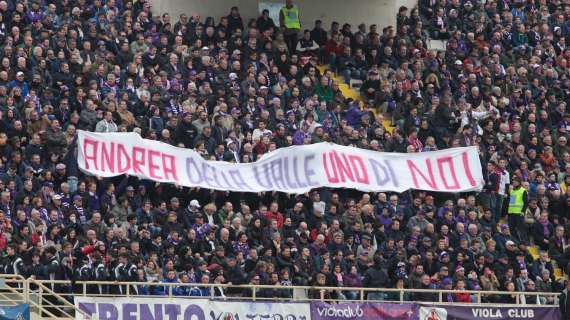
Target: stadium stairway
(350,92)
(558,272)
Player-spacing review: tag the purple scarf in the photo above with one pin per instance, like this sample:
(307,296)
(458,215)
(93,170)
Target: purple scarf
(545,228)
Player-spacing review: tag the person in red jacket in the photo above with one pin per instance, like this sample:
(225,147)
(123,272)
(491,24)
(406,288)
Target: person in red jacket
(274,214)
(463,297)
(334,48)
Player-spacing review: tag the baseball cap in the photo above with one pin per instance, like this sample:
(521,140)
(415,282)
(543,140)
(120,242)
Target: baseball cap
(195,203)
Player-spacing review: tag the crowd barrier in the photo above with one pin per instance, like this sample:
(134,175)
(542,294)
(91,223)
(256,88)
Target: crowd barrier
(66,300)
(290,293)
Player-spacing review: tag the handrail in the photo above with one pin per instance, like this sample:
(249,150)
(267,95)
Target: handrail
(43,289)
(59,305)
(23,284)
(255,288)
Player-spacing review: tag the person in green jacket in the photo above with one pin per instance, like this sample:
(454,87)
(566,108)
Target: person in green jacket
(520,38)
(324,91)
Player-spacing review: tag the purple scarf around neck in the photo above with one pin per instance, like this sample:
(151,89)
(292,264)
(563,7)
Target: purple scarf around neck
(545,228)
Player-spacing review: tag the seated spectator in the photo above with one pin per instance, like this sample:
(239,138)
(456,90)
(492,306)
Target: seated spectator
(542,230)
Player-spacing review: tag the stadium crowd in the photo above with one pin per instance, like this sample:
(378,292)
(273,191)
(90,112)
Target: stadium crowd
(234,90)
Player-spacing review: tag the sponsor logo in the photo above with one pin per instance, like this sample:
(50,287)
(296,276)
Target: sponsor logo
(430,313)
(346,311)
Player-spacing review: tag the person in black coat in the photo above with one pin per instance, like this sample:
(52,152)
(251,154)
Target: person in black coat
(234,20)
(53,270)
(564,302)
(425,296)
(376,277)
(186,132)
(234,275)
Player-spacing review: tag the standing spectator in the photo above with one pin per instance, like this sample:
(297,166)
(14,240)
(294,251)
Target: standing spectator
(290,21)
(517,205)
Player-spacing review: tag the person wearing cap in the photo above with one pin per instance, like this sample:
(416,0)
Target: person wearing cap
(366,250)
(21,83)
(489,280)
(518,202)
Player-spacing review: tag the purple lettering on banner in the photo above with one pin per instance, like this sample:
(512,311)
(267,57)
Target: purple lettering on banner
(310,172)
(194,312)
(262,177)
(210,175)
(383,172)
(238,180)
(296,171)
(147,314)
(172,310)
(226,180)
(107,311)
(192,171)
(277,173)
(288,180)
(129,311)
(89,308)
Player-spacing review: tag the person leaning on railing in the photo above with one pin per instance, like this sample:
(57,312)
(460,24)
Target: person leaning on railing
(320,294)
(376,277)
(425,285)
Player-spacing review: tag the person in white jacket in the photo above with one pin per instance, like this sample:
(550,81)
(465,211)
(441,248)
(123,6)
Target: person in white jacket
(107,124)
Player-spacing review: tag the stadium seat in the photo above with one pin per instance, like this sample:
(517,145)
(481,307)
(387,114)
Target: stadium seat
(558,273)
(533,250)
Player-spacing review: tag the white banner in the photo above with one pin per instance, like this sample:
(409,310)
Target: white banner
(187,309)
(296,169)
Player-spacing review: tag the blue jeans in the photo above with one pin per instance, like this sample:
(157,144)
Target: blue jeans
(500,201)
(351,73)
(351,295)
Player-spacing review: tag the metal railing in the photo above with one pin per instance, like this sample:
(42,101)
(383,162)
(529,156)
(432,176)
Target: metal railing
(43,301)
(52,299)
(293,293)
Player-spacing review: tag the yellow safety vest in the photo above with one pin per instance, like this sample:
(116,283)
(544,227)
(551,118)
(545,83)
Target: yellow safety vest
(516,201)
(291,17)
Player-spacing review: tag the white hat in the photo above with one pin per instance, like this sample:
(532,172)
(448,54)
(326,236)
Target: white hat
(56,197)
(458,62)
(195,203)
(233,75)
